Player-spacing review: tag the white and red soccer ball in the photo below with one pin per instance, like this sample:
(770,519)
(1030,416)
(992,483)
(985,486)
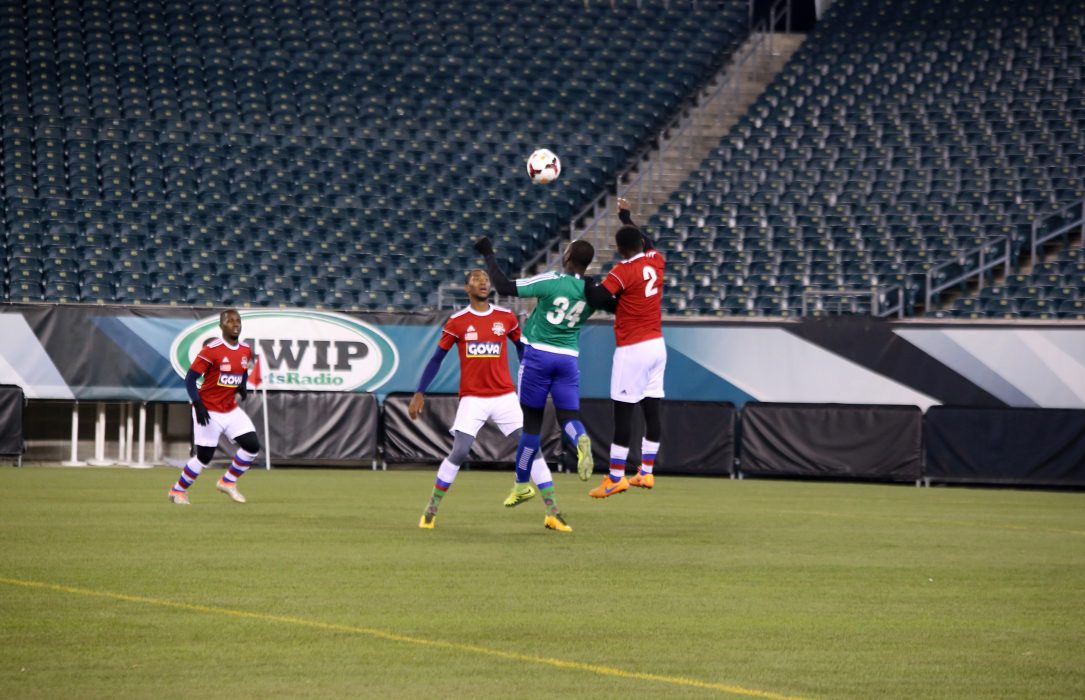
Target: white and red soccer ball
(543,167)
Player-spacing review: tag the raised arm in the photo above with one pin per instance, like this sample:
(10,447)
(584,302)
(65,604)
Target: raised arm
(501,283)
(626,218)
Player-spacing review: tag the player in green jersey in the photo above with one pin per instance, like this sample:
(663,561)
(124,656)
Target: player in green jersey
(552,343)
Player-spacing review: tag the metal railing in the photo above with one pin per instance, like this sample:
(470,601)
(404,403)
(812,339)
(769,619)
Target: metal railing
(453,296)
(986,263)
(848,301)
(599,207)
(685,131)
(1073,216)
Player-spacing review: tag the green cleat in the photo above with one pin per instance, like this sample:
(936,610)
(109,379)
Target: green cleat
(584,463)
(519,494)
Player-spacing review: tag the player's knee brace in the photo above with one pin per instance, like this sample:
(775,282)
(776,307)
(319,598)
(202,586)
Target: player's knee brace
(205,454)
(533,419)
(653,425)
(249,443)
(461,448)
(623,423)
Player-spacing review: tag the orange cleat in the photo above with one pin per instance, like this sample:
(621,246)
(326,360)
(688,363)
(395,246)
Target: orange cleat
(609,488)
(644,481)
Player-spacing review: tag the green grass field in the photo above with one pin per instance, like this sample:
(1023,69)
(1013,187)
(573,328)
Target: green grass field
(323,586)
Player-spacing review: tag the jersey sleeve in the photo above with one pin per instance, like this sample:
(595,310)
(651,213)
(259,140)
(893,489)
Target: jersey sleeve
(449,335)
(536,286)
(514,329)
(613,282)
(202,363)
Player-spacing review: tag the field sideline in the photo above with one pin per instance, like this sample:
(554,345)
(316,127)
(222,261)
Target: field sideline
(323,586)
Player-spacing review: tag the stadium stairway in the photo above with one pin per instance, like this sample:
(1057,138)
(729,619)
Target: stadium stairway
(681,148)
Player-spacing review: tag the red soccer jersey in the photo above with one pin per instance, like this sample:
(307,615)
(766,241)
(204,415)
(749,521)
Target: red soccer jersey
(222,367)
(484,358)
(639,280)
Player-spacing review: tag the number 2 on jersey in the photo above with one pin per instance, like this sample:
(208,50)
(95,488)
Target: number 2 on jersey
(561,312)
(650,277)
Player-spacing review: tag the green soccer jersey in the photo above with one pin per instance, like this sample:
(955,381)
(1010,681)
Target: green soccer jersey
(560,313)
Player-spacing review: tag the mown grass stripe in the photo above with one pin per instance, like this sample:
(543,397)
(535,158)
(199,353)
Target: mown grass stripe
(407,639)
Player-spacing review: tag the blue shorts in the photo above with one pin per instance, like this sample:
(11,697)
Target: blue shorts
(543,373)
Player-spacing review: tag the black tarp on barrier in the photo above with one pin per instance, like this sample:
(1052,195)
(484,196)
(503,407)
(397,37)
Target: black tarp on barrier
(698,437)
(12,404)
(316,426)
(835,440)
(428,440)
(1006,445)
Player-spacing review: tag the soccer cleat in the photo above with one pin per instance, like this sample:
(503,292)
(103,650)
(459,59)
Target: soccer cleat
(609,488)
(428,521)
(519,494)
(230,490)
(644,481)
(556,522)
(179,498)
(584,463)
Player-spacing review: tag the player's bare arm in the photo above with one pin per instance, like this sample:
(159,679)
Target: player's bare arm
(625,215)
(501,283)
(598,296)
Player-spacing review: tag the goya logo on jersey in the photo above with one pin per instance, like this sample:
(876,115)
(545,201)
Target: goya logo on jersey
(484,349)
(230,380)
(301,350)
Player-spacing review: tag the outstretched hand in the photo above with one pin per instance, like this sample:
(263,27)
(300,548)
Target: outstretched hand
(202,416)
(414,409)
(484,246)
(623,203)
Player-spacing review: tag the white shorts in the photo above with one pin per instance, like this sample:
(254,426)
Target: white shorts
(233,423)
(503,410)
(638,371)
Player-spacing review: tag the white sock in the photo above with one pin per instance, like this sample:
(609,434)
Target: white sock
(447,471)
(648,452)
(540,473)
(618,456)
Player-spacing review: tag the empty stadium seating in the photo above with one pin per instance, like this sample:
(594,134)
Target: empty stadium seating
(899,137)
(338,153)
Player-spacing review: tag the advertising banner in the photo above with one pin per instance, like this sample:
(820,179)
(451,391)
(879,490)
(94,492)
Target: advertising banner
(142,353)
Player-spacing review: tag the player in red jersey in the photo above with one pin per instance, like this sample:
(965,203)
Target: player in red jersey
(635,288)
(482,332)
(224,365)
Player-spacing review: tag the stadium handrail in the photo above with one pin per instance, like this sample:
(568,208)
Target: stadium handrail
(1075,209)
(878,297)
(601,202)
(986,263)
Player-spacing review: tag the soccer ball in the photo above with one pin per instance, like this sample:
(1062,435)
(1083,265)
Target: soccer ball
(543,167)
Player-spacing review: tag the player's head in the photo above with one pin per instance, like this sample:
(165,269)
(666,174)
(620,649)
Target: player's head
(230,325)
(477,284)
(578,256)
(629,240)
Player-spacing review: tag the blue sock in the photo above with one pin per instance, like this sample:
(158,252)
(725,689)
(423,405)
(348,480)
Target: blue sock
(572,429)
(525,456)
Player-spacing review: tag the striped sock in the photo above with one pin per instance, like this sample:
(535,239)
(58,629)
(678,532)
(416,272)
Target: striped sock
(648,452)
(540,474)
(618,455)
(189,474)
(551,501)
(242,462)
(440,488)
